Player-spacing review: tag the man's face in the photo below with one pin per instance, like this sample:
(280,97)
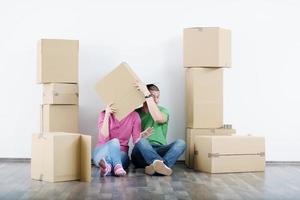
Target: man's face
(155,95)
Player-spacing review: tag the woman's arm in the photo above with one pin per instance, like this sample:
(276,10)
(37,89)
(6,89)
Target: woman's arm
(104,129)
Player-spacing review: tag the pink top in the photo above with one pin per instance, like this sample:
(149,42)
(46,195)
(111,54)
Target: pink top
(122,130)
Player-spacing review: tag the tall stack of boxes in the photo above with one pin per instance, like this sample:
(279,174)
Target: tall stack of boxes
(206,52)
(58,72)
(59,152)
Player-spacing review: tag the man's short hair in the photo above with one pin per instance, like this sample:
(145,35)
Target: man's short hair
(152,87)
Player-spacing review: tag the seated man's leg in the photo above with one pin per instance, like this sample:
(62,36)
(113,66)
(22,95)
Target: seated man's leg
(125,160)
(171,152)
(147,151)
(137,158)
(152,158)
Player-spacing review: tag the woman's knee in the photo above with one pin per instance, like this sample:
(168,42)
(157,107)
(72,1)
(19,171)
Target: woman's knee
(114,142)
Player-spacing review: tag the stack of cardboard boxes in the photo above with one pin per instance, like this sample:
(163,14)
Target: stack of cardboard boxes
(211,145)
(59,152)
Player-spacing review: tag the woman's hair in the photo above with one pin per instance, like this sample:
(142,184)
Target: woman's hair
(152,87)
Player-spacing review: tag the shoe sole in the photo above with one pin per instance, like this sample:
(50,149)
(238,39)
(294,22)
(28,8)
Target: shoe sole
(149,170)
(160,168)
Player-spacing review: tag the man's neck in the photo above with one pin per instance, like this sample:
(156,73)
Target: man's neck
(145,108)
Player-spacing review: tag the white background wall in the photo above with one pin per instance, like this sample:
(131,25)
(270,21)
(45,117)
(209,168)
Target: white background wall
(261,89)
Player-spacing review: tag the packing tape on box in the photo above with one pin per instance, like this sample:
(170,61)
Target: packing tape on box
(57,94)
(262,154)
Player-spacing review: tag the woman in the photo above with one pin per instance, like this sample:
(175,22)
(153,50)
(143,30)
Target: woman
(111,152)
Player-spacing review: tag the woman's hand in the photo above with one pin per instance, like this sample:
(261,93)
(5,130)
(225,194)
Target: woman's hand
(146,133)
(110,109)
(142,87)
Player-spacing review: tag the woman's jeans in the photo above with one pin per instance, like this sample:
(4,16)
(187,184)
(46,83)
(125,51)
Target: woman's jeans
(112,153)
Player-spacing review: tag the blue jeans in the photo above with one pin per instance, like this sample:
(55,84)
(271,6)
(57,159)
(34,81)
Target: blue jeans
(112,153)
(144,153)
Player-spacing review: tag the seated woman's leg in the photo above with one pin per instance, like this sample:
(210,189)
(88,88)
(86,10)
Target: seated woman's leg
(115,156)
(101,159)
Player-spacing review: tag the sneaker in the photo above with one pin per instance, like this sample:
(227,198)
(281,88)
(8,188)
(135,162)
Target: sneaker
(161,168)
(149,170)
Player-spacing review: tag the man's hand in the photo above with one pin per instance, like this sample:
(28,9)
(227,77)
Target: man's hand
(141,87)
(146,133)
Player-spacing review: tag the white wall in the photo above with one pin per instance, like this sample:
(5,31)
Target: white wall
(261,89)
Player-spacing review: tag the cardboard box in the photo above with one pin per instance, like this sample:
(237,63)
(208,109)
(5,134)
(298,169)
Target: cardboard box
(206,47)
(60,93)
(204,97)
(61,157)
(225,154)
(57,61)
(117,87)
(190,140)
(59,118)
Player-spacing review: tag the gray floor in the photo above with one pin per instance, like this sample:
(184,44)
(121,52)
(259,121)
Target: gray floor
(280,181)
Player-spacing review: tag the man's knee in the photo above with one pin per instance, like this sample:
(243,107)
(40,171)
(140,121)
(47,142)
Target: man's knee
(180,144)
(142,142)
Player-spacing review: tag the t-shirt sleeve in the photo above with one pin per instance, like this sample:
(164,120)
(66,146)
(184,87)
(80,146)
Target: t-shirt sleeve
(136,129)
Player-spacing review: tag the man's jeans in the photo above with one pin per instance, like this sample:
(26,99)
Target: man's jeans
(144,153)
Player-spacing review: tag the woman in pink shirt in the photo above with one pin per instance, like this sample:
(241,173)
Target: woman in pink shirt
(111,152)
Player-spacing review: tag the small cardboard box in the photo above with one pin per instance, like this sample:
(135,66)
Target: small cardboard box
(59,118)
(204,97)
(57,61)
(190,140)
(206,47)
(60,93)
(117,87)
(61,157)
(226,154)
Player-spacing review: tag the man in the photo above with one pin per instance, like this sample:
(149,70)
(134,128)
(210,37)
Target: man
(153,152)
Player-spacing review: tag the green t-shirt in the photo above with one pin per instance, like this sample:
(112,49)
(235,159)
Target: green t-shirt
(159,134)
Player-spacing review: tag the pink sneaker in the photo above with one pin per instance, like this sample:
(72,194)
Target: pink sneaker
(119,171)
(104,167)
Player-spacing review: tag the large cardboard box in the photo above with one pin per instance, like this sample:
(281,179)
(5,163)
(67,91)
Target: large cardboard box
(204,97)
(59,118)
(225,154)
(61,157)
(206,47)
(190,140)
(57,61)
(60,93)
(117,87)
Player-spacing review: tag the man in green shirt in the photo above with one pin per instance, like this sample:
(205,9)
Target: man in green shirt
(152,151)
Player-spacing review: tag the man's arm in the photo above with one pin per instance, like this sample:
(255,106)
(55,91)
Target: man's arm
(157,116)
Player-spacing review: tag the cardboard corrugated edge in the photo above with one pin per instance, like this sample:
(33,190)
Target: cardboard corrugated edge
(85,161)
(39,61)
(41,119)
